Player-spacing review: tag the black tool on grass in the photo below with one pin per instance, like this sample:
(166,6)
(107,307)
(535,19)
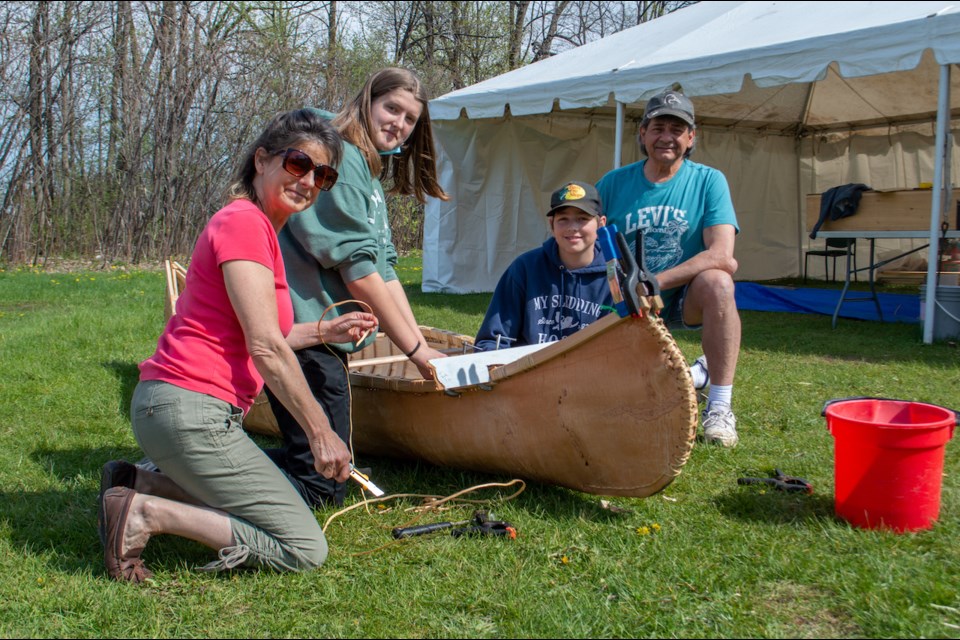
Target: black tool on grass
(781,482)
(482,523)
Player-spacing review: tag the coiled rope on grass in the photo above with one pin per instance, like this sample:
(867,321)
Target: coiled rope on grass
(431,503)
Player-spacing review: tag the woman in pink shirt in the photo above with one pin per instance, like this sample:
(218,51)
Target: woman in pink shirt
(232,331)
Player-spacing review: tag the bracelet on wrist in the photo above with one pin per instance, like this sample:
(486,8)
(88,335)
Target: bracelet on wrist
(414,350)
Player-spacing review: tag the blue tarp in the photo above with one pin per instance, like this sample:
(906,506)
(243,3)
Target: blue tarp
(896,307)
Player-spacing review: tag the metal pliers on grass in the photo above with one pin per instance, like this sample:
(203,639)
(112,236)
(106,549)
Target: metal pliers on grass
(488,528)
(781,482)
(482,524)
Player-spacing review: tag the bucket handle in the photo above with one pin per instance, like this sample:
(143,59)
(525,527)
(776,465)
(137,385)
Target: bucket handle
(823,412)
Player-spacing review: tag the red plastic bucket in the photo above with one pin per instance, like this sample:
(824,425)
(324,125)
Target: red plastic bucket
(888,464)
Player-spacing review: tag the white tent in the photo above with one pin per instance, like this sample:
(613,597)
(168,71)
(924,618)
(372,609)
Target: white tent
(791,98)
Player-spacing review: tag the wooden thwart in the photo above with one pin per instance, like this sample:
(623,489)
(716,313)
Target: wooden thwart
(400,357)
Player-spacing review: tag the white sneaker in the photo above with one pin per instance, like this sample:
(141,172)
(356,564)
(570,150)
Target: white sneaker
(701,363)
(720,425)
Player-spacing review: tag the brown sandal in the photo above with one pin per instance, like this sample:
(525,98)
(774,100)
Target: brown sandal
(116,473)
(115,507)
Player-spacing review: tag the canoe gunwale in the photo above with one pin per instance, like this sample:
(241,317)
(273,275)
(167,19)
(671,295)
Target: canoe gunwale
(498,373)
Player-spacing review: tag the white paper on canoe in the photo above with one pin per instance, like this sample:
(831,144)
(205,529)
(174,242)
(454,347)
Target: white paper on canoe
(474,368)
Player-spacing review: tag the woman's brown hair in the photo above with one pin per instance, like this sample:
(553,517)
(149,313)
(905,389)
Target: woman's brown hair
(285,130)
(414,170)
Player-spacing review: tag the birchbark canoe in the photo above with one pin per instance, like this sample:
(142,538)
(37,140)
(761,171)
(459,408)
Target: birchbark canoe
(610,410)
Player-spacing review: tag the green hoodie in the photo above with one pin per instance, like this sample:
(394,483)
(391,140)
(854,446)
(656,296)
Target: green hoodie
(343,237)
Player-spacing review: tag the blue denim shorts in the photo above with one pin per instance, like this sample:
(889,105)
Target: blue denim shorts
(672,314)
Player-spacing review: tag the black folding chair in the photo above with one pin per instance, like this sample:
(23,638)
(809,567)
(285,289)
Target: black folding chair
(834,248)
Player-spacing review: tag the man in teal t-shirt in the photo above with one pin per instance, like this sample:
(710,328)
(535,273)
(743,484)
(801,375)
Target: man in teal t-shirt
(686,215)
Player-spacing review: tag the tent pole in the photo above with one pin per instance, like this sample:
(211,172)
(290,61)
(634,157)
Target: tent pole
(801,206)
(618,142)
(936,202)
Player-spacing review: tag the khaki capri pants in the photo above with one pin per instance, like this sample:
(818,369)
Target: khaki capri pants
(198,441)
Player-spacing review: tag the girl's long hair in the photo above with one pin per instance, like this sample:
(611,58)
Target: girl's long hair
(414,170)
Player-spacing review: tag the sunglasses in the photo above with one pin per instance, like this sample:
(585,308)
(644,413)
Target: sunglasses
(299,164)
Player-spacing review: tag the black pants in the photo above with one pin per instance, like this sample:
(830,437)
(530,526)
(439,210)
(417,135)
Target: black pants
(327,377)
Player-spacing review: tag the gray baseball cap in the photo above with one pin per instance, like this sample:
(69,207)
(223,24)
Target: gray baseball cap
(669,103)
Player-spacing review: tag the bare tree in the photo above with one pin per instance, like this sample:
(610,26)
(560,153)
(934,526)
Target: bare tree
(544,48)
(517,25)
(121,121)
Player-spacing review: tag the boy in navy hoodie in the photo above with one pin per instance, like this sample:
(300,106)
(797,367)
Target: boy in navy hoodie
(555,290)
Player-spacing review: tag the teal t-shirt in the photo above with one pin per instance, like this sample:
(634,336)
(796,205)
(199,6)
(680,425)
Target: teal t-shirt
(672,214)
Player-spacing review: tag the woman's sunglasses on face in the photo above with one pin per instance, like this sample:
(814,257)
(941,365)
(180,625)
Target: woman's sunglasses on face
(299,164)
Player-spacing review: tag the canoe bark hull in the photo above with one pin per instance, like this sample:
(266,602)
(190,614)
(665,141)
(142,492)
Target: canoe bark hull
(614,414)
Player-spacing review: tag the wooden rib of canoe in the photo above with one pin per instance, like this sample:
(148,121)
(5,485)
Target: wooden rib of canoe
(610,410)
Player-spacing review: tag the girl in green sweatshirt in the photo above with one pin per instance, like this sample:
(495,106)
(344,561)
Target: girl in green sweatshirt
(340,249)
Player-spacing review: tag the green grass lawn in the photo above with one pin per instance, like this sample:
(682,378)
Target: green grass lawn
(706,557)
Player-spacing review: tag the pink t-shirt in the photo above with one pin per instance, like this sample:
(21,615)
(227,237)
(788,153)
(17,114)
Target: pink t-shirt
(202,347)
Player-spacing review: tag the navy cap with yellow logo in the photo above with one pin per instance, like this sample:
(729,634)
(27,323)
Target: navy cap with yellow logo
(581,195)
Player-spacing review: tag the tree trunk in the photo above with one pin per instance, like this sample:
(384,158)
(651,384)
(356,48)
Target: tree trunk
(518,14)
(547,42)
(37,93)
